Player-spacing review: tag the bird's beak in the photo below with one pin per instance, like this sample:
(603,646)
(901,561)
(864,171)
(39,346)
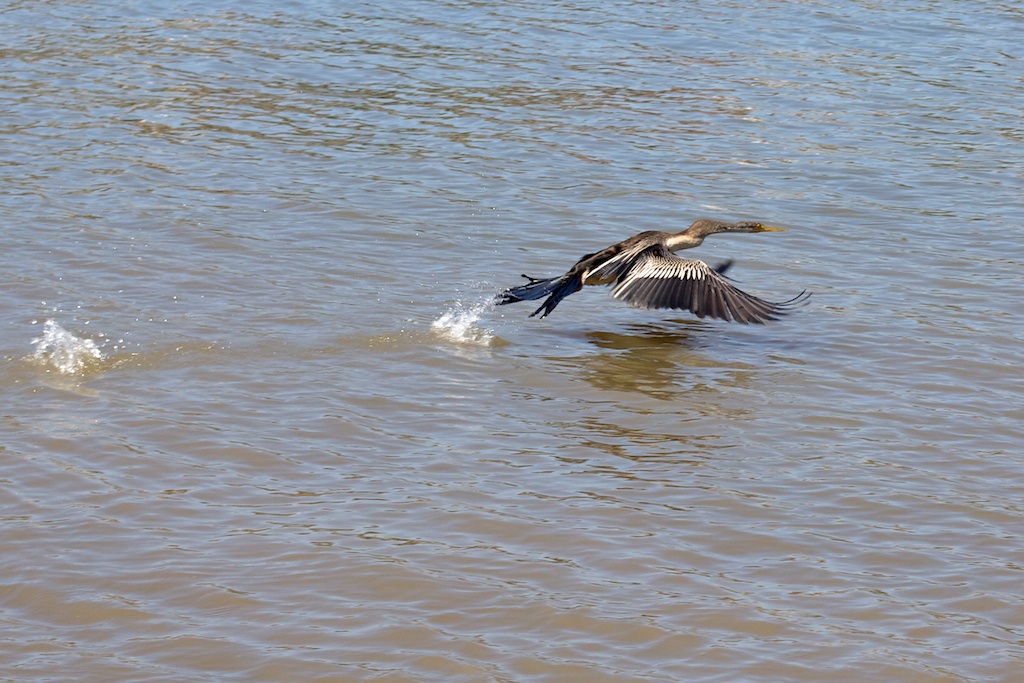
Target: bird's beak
(768,228)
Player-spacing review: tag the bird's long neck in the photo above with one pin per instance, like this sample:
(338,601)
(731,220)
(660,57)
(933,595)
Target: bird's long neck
(683,240)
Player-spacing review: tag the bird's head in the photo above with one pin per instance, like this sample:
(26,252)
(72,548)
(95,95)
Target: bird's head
(707,226)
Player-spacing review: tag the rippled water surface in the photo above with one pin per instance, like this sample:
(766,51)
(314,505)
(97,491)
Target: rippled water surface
(260,422)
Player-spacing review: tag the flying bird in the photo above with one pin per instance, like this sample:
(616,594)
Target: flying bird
(645,272)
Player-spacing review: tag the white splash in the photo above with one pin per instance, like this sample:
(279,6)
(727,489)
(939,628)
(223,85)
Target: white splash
(68,354)
(459,324)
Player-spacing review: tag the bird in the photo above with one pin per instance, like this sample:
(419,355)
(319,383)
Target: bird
(645,272)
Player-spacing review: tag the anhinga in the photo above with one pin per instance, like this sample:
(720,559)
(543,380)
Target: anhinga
(646,273)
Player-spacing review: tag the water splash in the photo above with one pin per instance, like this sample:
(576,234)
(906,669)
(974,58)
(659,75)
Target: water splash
(63,351)
(459,323)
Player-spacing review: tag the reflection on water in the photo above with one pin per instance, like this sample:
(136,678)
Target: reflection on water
(675,444)
(658,363)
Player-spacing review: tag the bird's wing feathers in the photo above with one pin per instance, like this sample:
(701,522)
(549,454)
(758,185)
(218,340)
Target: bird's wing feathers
(660,279)
(613,263)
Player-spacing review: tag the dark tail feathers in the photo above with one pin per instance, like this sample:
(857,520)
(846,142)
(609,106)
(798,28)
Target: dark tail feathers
(557,287)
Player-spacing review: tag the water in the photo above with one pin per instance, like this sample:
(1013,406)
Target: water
(64,352)
(261,422)
(462,323)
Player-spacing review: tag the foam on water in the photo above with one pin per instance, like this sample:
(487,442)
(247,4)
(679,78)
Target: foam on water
(59,349)
(459,323)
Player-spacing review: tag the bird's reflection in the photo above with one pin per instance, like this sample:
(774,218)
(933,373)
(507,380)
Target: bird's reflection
(659,361)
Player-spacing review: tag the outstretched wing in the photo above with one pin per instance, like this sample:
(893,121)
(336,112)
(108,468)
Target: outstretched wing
(661,279)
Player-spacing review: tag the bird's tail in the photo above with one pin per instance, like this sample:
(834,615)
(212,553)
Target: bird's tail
(555,288)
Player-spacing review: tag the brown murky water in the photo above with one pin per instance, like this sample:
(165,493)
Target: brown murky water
(261,425)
